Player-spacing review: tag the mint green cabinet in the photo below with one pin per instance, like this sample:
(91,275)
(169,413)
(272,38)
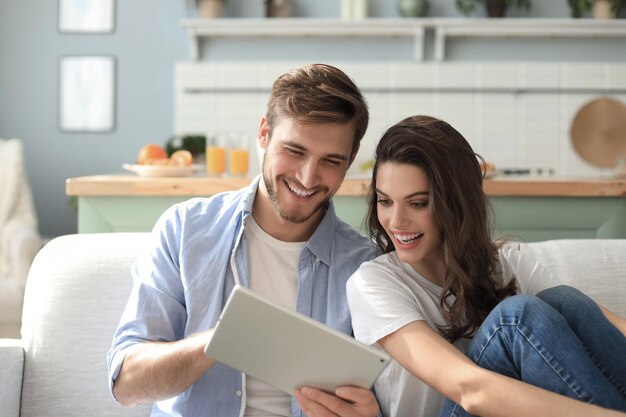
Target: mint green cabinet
(543,218)
(528,218)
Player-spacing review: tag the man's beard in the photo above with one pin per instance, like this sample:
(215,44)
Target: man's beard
(275,204)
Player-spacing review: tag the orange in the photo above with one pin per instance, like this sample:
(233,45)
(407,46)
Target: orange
(182,158)
(150,153)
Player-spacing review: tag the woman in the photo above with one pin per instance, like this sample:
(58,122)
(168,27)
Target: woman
(443,287)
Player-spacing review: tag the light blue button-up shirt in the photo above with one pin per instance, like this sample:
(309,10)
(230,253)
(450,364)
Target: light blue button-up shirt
(199,252)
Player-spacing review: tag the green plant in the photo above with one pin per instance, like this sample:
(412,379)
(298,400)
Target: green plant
(467,6)
(581,6)
(193,143)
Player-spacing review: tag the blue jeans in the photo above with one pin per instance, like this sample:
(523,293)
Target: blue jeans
(558,340)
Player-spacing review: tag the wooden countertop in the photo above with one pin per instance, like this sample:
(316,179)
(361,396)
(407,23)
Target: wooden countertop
(132,185)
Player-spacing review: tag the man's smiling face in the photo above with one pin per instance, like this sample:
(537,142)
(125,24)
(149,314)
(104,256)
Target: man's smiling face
(304,165)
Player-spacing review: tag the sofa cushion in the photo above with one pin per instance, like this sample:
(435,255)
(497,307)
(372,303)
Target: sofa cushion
(68,324)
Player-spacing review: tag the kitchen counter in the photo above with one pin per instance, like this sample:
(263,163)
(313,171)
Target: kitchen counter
(130,185)
(525,208)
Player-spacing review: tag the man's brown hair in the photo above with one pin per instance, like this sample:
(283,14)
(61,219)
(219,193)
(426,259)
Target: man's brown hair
(318,93)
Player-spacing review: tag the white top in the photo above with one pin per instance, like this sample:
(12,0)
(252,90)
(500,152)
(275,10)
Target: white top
(273,274)
(386,294)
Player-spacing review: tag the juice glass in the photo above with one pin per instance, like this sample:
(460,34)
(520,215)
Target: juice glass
(238,155)
(215,155)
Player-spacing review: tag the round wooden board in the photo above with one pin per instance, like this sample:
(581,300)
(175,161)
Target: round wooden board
(598,132)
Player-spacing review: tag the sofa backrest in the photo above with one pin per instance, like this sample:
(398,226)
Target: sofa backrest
(76,292)
(79,284)
(597,267)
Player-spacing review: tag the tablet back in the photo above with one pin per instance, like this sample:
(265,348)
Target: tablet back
(287,349)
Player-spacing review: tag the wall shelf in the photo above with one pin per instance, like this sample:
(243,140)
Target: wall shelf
(303,27)
(523,28)
(443,29)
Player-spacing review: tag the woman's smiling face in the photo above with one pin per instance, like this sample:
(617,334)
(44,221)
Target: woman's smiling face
(404,210)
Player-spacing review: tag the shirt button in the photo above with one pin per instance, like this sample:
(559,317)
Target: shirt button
(238,393)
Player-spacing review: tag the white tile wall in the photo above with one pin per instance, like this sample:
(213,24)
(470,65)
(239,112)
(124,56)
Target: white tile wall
(514,114)
(405,75)
(496,75)
(407,104)
(539,75)
(591,76)
(616,76)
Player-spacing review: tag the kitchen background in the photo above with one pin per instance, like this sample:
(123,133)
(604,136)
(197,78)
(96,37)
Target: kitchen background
(518,121)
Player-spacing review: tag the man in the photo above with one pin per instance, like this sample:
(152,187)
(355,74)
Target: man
(279,236)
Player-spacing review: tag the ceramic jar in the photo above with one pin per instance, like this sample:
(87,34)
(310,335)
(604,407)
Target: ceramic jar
(278,8)
(601,9)
(210,9)
(412,8)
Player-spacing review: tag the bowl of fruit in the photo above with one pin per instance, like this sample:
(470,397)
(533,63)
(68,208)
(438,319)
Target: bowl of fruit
(153,161)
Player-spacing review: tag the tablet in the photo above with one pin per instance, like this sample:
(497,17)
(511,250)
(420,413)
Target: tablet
(289,350)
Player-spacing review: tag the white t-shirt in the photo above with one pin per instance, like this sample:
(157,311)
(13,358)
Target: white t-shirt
(273,274)
(386,294)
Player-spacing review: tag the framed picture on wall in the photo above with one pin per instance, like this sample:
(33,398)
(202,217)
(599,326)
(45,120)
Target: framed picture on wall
(86,16)
(87,93)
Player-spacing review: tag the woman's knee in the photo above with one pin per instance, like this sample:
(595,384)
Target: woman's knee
(564,298)
(560,291)
(517,302)
(514,309)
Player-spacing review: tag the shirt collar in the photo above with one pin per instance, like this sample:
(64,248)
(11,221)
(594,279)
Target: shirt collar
(249,192)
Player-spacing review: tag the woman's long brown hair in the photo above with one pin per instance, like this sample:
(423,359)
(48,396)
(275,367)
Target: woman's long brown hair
(462,212)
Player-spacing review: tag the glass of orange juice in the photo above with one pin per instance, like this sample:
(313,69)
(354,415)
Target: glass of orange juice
(215,154)
(238,155)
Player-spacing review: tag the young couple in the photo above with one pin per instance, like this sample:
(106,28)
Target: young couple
(440,281)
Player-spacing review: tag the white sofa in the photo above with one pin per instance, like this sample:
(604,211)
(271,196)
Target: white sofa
(77,289)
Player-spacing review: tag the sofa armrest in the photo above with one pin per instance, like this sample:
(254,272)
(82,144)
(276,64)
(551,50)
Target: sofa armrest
(11,375)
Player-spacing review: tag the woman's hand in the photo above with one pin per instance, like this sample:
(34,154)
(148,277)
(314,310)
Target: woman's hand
(346,402)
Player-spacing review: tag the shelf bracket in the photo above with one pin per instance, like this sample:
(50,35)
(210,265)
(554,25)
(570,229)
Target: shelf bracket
(194,44)
(440,44)
(418,44)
